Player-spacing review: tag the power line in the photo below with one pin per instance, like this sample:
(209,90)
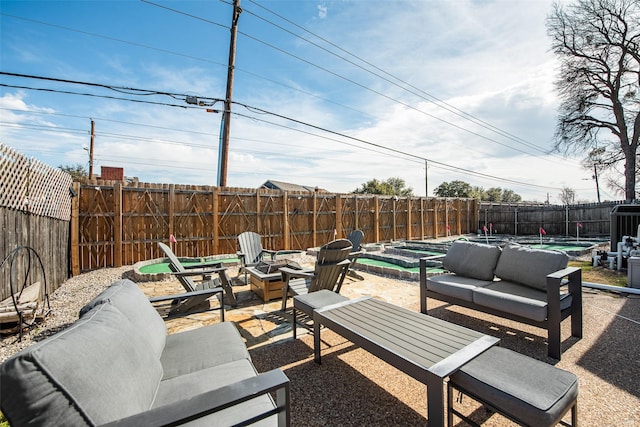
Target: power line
(266,112)
(351,81)
(427,96)
(308,62)
(87,33)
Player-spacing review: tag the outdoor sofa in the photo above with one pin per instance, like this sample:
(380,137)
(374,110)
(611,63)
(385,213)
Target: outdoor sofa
(531,286)
(116,366)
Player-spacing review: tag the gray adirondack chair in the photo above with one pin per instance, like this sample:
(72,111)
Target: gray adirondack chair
(355,237)
(197,291)
(329,272)
(251,251)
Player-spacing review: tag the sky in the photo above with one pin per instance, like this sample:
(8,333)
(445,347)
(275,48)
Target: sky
(328,93)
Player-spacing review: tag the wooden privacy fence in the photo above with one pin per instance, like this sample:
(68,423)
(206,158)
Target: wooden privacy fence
(35,208)
(521,219)
(116,224)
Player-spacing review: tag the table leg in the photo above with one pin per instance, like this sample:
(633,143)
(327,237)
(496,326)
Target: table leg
(316,339)
(435,401)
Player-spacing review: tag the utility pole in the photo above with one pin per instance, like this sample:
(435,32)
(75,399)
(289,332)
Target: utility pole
(226,115)
(426,179)
(595,176)
(93,137)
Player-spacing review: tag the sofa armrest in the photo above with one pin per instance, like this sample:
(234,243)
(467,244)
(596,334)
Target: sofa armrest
(555,281)
(209,402)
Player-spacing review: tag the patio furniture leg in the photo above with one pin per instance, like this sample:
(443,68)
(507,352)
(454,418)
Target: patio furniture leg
(435,401)
(316,341)
(294,323)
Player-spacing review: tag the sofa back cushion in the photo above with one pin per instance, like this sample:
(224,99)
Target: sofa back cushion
(528,266)
(469,259)
(93,372)
(132,302)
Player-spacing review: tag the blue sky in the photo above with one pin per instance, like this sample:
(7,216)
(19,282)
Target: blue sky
(467,85)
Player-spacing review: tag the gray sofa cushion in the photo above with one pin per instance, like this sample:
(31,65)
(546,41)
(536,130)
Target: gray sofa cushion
(529,266)
(315,300)
(97,370)
(516,299)
(133,303)
(202,348)
(455,286)
(471,259)
(519,385)
(186,386)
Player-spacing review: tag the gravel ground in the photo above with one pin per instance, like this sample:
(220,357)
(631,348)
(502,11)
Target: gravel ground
(66,302)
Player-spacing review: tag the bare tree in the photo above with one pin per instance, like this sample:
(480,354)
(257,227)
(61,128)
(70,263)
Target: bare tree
(597,43)
(567,196)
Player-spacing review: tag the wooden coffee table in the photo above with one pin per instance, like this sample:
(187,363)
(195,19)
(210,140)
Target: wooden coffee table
(424,347)
(267,285)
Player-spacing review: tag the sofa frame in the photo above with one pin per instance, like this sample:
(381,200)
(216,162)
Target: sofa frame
(570,276)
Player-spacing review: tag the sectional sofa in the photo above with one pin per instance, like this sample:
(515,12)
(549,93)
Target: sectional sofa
(531,286)
(117,366)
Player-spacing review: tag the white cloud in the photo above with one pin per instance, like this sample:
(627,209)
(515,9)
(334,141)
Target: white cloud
(322,11)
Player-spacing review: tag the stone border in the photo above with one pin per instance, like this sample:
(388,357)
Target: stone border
(137,276)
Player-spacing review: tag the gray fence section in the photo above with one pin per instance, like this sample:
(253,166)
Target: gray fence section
(35,209)
(593,219)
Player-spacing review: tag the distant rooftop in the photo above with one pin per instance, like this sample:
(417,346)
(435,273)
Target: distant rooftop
(286,186)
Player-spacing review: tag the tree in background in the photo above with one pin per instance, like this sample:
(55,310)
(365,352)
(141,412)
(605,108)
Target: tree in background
(464,189)
(567,196)
(477,192)
(77,171)
(389,187)
(453,189)
(510,196)
(598,45)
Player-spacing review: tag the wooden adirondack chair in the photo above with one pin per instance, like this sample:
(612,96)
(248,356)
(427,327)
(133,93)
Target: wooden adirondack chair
(329,272)
(200,291)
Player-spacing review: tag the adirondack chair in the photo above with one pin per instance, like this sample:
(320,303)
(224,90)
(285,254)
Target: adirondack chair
(197,291)
(251,251)
(355,237)
(329,272)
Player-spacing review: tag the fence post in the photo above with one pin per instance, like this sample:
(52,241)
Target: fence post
(216,211)
(355,212)
(446,214)
(339,215)
(408,233)
(376,218)
(172,210)
(257,217)
(435,218)
(75,230)
(422,217)
(459,216)
(117,224)
(285,219)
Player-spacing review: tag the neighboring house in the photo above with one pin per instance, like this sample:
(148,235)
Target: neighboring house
(285,186)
